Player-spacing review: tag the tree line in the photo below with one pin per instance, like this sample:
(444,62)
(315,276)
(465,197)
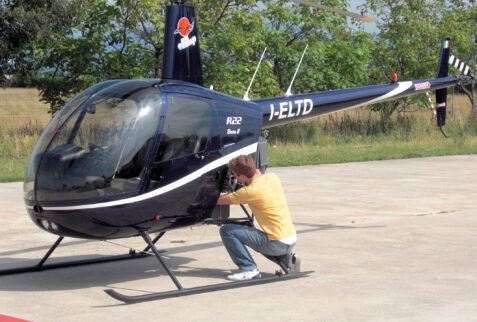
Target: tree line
(64,46)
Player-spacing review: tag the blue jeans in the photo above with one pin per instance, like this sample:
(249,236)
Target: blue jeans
(236,237)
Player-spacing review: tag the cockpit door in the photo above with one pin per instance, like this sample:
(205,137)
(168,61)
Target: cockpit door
(179,167)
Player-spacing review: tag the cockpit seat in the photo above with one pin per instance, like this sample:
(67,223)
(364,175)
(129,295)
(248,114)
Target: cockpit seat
(179,147)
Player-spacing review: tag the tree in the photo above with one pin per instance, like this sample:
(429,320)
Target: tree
(336,56)
(123,39)
(409,37)
(408,43)
(232,40)
(103,44)
(25,23)
(459,22)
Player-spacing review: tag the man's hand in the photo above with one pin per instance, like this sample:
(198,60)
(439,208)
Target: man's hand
(224,200)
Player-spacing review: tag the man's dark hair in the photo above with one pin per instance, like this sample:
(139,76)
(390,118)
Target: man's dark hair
(243,165)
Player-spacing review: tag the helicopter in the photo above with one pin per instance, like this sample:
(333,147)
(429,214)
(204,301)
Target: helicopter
(128,158)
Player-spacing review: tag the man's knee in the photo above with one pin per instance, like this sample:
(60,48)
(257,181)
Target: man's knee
(225,230)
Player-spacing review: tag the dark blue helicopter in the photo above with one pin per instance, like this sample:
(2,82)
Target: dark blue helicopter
(133,157)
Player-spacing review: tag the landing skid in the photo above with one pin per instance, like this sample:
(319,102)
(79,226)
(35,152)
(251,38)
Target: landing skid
(41,266)
(195,290)
(153,296)
(202,289)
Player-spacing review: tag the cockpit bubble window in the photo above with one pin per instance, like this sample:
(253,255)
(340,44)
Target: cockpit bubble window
(186,129)
(103,147)
(52,129)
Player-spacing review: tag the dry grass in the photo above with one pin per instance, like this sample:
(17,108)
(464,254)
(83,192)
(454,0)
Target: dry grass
(459,108)
(333,138)
(23,117)
(21,107)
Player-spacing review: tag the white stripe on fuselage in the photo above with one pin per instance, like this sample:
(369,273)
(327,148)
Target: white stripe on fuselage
(293,108)
(174,185)
(402,86)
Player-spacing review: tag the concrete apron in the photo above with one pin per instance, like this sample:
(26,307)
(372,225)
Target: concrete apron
(388,240)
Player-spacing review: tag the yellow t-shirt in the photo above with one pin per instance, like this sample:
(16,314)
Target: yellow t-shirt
(266,199)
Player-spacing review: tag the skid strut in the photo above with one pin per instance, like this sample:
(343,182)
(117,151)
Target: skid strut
(194,290)
(42,266)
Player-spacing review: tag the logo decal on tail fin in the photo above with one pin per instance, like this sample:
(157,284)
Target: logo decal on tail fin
(184,28)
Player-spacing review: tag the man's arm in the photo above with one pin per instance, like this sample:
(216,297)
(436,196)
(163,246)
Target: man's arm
(224,200)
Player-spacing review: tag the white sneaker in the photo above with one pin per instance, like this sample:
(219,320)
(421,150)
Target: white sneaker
(245,275)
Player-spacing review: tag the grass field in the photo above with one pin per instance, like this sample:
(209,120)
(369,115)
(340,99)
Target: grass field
(21,107)
(22,118)
(327,139)
(335,138)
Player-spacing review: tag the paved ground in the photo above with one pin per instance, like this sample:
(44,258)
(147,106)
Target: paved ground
(388,241)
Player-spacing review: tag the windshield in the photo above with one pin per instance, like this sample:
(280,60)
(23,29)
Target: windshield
(50,132)
(103,146)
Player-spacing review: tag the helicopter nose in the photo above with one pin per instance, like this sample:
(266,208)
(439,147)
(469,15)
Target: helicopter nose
(43,222)
(48,225)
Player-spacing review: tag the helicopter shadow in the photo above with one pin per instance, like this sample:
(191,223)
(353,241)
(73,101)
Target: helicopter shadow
(46,247)
(318,227)
(173,250)
(103,274)
(107,274)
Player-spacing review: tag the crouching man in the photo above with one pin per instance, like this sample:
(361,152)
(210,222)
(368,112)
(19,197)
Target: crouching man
(265,197)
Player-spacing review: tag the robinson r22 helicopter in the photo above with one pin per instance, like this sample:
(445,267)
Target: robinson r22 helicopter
(128,158)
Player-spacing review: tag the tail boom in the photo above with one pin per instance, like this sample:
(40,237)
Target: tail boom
(283,110)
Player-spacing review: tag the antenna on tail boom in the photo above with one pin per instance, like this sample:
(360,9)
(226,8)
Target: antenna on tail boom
(245,97)
(289,93)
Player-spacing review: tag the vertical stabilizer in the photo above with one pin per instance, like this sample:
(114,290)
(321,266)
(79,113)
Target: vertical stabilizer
(442,71)
(181,57)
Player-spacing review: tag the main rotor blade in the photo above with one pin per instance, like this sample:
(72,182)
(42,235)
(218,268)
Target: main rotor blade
(335,10)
